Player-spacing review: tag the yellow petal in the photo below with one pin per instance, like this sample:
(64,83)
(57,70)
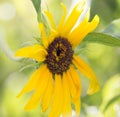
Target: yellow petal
(36,52)
(71,84)
(61,23)
(72,19)
(44,37)
(89,28)
(74,35)
(79,35)
(77,104)
(76,80)
(53,35)
(31,84)
(87,71)
(47,94)
(50,17)
(67,111)
(40,89)
(57,104)
(93,24)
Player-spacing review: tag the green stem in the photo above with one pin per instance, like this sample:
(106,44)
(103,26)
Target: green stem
(6,49)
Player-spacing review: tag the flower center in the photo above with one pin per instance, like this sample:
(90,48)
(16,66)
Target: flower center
(59,56)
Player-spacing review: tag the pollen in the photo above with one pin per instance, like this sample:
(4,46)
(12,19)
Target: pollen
(60,55)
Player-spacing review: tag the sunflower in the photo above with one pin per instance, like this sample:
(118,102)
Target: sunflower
(56,83)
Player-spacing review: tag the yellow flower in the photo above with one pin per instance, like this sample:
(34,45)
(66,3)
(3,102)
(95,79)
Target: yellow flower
(56,82)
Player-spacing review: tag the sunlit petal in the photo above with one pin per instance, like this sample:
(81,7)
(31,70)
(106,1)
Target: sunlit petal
(76,79)
(40,88)
(72,19)
(50,17)
(53,35)
(72,87)
(57,103)
(36,52)
(46,98)
(77,104)
(43,33)
(62,21)
(67,111)
(31,84)
(74,35)
(77,36)
(87,71)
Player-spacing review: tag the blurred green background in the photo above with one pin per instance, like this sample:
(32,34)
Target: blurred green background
(19,26)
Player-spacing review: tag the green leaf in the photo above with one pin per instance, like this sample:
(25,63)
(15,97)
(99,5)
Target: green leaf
(38,39)
(110,93)
(30,65)
(102,39)
(37,5)
(113,28)
(116,98)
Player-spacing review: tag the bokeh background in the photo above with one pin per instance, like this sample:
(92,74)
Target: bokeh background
(19,27)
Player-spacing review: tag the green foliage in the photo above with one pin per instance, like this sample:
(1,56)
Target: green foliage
(37,6)
(111,96)
(30,66)
(114,99)
(113,28)
(40,15)
(38,39)
(108,10)
(102,39)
